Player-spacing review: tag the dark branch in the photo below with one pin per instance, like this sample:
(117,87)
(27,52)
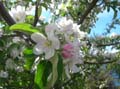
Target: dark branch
(87,11)
(108,44)
(36,14)
(6,16)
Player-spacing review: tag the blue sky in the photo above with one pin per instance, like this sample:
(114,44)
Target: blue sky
(104,19)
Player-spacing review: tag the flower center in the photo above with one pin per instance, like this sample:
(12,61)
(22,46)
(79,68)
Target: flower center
(48,43)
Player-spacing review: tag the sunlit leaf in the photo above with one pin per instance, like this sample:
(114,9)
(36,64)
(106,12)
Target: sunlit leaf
(43,71)
(23,27)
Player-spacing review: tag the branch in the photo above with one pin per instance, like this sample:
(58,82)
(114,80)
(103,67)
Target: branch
(106,62)
(36,14)
(107,44)
(87,11)
(6,16)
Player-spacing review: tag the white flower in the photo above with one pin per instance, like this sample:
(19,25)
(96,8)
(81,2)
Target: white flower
(10,64)
(18,13)
(46,45)
(51,30)
(3,74)
(66,25)
(70,30)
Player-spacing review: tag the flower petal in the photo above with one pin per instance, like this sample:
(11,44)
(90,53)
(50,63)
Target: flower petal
(55,42)
(74,69)
(50,29)
(38,49)
(67,71)
(38,37)
(49,53)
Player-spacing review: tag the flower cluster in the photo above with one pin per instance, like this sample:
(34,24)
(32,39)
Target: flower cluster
(63,37)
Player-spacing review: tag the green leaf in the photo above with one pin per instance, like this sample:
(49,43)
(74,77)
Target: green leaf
(23,27)
(29,58)
(29,19)
(44,69)
(28,51)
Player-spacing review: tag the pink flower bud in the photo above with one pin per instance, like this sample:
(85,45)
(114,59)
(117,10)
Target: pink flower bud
(68,51)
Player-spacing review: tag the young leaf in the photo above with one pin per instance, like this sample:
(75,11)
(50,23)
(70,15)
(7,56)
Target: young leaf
(43,71)
(29,58)
(23,27)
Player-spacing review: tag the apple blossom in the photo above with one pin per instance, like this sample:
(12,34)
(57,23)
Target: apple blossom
(18,13)
(51,30)
(47,44)
(70,30)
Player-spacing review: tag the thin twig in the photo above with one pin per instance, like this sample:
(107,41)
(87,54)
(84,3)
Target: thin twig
(104,62)
(8,35)
(107,44)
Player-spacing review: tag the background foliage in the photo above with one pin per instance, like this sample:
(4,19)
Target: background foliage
(19,67)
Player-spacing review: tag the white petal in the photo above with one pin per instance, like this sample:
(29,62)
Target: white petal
(74,69)
(38,37)
(55,43)
(49,53)
(67,71)
(38,49)
(50,29)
